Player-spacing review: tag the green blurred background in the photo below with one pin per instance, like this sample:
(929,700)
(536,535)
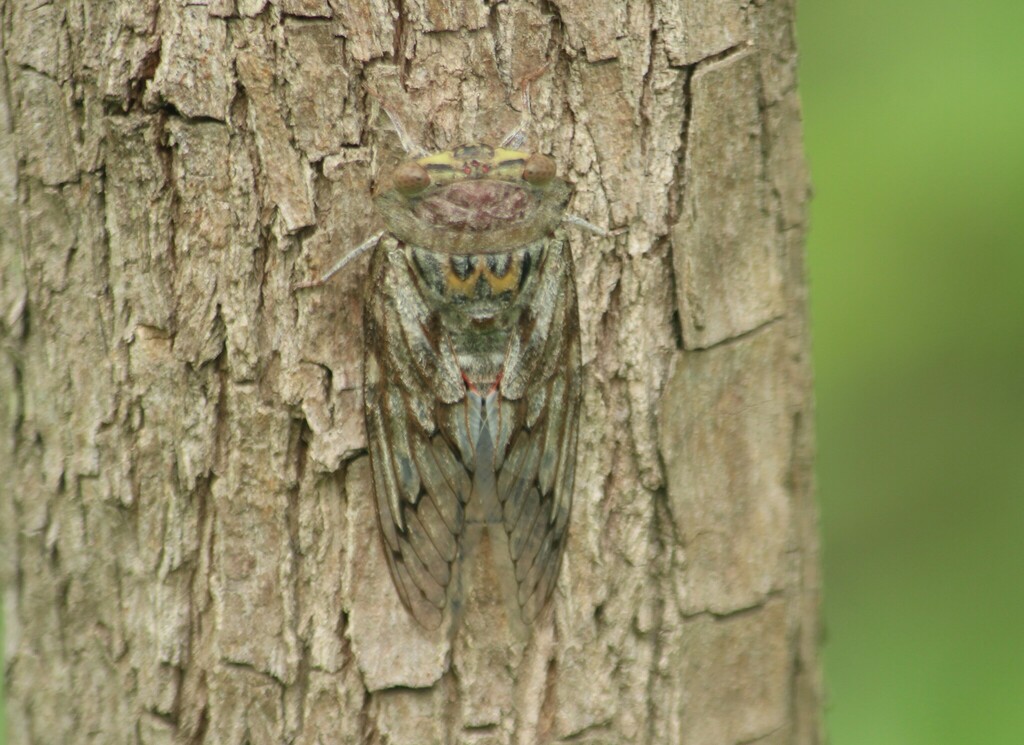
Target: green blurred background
(914,116)
(914,121)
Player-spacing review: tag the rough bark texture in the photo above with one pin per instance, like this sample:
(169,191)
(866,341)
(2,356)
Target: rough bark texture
(189,546)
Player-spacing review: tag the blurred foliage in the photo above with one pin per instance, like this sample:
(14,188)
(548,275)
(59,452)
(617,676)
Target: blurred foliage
(914,122)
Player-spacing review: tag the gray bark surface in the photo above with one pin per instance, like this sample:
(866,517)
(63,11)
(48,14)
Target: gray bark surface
(189,549)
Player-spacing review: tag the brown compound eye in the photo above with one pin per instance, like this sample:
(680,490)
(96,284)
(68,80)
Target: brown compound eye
(539,169)
(411,177)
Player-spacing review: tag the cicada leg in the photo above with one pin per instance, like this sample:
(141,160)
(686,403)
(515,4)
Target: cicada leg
(350,256)
(579,222)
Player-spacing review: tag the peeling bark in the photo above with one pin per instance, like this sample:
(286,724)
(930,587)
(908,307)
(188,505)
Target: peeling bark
(189,551)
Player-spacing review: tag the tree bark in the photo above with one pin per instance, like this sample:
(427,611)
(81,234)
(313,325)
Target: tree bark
(189,547)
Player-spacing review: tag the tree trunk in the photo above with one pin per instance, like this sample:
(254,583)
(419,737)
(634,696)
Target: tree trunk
(190,551)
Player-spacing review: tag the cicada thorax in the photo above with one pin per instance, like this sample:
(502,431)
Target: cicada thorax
(472,384)
(479,300)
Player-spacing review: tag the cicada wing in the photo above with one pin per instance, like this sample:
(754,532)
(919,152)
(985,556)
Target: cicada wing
(420,484)
(541,390)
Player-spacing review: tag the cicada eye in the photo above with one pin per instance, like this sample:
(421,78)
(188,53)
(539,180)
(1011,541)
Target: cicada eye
(539,169)
(411,177)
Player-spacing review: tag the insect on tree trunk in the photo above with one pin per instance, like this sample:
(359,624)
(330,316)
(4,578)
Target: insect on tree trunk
(190,550)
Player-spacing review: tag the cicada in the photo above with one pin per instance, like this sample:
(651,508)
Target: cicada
(472,371)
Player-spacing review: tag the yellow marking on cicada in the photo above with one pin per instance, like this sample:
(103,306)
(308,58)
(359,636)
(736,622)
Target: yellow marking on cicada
(498,285)
(505,283)
(459,286)
(474,161)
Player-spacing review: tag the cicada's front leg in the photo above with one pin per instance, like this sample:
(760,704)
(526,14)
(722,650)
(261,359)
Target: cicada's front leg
(358,251)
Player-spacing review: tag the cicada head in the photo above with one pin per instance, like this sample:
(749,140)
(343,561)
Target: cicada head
(473,199)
